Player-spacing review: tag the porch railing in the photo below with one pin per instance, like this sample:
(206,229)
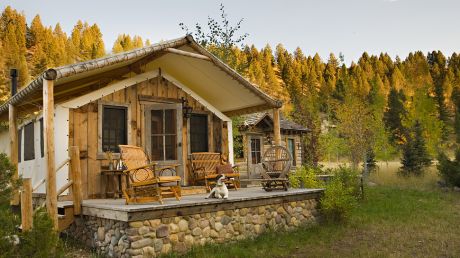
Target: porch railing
(73,184)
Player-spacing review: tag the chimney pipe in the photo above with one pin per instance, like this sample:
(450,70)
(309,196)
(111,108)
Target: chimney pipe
(14,81)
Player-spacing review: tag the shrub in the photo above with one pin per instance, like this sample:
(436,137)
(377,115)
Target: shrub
(350,178)
(305,177)
(8,220)
(42,240)
(341,194)
(449,170)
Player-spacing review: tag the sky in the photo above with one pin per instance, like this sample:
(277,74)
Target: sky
(349,27)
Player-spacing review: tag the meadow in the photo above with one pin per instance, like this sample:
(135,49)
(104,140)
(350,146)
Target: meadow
(399,217)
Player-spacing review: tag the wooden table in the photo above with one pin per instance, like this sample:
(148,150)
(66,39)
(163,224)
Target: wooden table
(113,178)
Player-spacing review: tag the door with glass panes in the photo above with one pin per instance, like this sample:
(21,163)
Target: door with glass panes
(163,137)
(255,149)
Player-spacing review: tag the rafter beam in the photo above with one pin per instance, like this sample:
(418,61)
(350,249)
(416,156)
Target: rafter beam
(187,54)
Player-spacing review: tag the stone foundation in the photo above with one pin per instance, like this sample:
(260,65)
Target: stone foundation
(149,238)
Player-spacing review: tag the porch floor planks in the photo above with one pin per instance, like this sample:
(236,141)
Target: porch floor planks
(192,204)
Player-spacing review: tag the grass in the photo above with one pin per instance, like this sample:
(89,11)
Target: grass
(399,217)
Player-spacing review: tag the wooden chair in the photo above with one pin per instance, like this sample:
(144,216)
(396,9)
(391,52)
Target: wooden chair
(204,166)
(146,182)
(276,163)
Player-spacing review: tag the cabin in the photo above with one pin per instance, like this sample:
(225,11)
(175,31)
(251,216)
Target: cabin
(257,136)
(171,99)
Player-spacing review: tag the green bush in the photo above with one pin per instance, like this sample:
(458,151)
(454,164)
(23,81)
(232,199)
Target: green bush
(341,195)
(8,220)
(350,178)
(305,177)
(42,240)
(449,170)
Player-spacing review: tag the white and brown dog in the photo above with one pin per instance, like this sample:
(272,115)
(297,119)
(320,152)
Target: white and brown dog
(220,190)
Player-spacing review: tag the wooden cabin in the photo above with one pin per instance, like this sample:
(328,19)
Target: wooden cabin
(257,136)
(171,98)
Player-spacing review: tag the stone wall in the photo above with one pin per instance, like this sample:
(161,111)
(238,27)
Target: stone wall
(149,238)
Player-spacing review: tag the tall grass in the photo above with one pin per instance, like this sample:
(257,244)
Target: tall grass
(399,217)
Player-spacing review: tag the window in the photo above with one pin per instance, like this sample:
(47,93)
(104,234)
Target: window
(114,128)
(255,150)
(291,148)
(198,133)
(29,146)
(19,145)
(42,143)
(164,134)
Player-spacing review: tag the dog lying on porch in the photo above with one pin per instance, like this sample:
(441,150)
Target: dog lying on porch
(220,190)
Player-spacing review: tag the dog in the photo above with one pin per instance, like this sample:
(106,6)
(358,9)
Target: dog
(220,190)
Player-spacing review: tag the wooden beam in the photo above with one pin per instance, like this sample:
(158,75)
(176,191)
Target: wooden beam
(26,204)
(13,132)
(247,110)
(276,126)
(62,165)
(187,54)
(64,187)
(75,171)
(48,126)
(38,184)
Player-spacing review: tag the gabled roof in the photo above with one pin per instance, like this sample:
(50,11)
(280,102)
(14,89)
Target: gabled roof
(200,63)
(255,119)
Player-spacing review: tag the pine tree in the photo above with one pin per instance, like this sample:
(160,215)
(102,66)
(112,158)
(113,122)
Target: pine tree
(394,114)
(415,155)
(13,37)
(456,101)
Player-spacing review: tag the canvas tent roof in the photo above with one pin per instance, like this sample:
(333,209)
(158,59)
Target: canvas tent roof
(254,119)
(182,58)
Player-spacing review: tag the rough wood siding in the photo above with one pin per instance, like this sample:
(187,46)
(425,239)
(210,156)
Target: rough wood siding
(265,145)
(84,122)
(217,133)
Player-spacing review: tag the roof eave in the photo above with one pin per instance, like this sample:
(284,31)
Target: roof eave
(91,65)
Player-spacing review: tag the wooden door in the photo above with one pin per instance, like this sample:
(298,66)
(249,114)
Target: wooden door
(163,141)
(255,149)
(291,148)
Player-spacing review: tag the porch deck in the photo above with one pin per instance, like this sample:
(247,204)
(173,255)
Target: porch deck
(116,209)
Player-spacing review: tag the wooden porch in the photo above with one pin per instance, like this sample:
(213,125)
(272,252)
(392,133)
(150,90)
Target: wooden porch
(116,209)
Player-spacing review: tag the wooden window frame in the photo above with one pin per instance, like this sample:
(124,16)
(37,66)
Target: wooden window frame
(208,131)
(42,140)
(20,144)
(29,152)
(100,117)
(294,154)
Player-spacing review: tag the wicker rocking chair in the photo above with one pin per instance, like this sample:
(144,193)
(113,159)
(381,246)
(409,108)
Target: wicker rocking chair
(276,164)
(146,182)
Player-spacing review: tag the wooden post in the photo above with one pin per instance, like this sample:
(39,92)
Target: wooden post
(13,132)
(26,204)
(48,126)
(276,126)
(75,174)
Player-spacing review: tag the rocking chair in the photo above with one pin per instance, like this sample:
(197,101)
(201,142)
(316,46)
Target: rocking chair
(276,164)
(146,183)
